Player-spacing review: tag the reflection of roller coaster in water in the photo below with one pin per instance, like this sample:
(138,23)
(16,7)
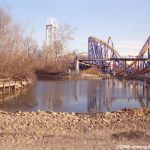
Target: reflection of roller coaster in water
(112,94)
(80,96)
(104,55)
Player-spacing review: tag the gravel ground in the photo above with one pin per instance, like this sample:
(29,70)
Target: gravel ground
(128,129)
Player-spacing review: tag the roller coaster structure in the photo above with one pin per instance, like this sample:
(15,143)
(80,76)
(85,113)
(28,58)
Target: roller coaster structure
(104,55)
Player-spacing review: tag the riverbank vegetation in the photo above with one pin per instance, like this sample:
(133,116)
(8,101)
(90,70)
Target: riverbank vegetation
(17,51)
(54,59)
(20,55)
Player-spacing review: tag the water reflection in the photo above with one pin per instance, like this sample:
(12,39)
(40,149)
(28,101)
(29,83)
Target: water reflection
(79,96)
(18,101)
(112,94)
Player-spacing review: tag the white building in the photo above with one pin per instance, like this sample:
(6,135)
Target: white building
(51,31)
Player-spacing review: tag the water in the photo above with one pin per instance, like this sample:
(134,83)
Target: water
(79,96)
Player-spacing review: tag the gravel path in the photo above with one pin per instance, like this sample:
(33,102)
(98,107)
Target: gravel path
(70,131)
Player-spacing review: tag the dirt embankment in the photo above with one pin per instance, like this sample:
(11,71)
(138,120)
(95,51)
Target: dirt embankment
(51,130)
(85,76)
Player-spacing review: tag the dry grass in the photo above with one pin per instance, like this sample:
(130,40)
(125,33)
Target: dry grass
(93,71)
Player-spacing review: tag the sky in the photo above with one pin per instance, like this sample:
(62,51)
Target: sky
(126,21)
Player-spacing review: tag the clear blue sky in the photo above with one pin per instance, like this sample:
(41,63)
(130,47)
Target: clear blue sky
(127,21)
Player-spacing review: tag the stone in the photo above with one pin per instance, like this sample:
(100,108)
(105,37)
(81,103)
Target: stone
(54,113)
(39,110)
(73,113)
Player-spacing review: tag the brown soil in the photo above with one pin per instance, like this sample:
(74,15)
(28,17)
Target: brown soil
(94,71)
(86,76)
(70,131)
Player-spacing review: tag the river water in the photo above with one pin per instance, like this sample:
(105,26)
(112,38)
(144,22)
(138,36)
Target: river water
(79,96)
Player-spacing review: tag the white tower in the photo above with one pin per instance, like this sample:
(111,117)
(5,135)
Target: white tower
(51,31)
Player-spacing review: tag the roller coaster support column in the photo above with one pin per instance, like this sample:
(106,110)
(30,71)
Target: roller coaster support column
(77,66)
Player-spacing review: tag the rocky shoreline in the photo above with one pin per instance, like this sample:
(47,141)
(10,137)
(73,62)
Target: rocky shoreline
(52,130)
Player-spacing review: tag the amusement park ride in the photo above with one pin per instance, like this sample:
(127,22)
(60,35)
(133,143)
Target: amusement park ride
(106,57)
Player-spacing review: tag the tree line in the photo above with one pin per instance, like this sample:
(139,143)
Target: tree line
(20,55)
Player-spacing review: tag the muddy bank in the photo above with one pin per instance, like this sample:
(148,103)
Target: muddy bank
(85,76)
(51,130)
(73,76)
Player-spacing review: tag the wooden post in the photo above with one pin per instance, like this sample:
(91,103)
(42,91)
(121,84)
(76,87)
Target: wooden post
(3,87)
(21,85)
(15,86)
(9,87)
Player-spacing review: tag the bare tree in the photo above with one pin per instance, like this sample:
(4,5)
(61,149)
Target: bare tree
(30,46)
(53,55)
(64,35)
(16,51)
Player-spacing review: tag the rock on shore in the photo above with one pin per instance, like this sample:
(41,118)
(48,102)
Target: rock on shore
(51,130)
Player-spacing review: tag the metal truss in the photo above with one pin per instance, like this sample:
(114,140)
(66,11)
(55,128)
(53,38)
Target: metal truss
(109,60)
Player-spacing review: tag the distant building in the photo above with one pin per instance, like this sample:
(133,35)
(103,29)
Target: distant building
(51,31)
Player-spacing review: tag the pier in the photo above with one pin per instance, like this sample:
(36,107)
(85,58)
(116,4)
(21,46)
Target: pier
(7,85)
